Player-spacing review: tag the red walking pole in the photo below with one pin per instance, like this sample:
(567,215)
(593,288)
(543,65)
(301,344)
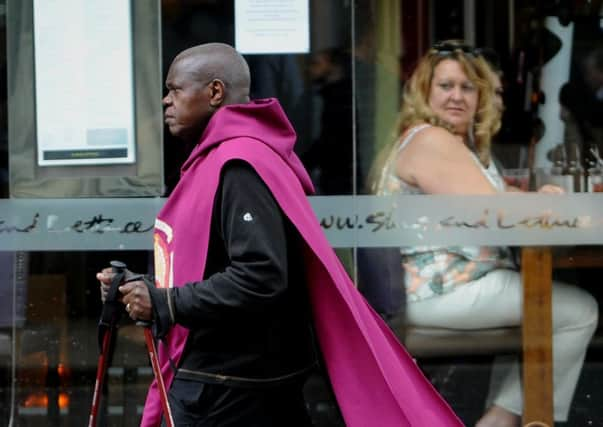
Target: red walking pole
(152,349)
(109,317)
(103,361)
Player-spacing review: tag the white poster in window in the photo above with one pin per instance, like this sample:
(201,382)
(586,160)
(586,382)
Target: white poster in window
(84,82)
(272,26)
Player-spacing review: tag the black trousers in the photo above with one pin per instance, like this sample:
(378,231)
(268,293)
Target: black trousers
(199,404)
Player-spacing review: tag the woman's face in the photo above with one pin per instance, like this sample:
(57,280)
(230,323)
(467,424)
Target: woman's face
(452,96)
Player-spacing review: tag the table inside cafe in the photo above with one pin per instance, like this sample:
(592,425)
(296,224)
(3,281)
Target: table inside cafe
(538,264)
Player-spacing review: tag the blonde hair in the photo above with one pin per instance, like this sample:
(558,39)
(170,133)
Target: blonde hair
(415,99)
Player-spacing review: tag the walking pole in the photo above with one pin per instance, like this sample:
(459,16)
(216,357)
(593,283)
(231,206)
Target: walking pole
(109,317)
(152,349)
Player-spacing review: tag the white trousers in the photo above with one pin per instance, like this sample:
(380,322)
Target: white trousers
(495,301)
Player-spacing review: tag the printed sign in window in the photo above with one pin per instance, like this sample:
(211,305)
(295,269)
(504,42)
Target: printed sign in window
(84,83)
(272,26)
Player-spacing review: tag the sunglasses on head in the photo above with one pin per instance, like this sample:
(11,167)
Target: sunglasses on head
(450,48)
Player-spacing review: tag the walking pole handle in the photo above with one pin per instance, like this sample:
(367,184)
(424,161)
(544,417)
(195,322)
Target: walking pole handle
(119,268)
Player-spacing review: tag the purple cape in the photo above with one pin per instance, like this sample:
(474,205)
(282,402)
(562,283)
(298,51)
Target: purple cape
(376,382)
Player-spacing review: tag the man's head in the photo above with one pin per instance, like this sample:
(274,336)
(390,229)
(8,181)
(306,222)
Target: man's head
(201,80)
(593,69)
(328,65)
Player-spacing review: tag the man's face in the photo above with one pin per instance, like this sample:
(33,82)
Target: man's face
(594,76)
(320,67)
(187,107)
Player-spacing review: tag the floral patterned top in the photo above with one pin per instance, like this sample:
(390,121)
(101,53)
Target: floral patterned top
(434,270)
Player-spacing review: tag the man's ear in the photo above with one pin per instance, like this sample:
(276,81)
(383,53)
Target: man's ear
(217,93)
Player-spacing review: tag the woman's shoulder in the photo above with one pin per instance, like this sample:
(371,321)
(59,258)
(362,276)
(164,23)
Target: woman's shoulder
(426,137)
(432,150)
(432,130)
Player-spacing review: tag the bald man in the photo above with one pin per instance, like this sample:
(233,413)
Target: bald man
(245,277)
(228,299)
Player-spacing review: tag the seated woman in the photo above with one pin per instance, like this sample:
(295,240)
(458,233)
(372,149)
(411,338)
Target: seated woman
(447,120)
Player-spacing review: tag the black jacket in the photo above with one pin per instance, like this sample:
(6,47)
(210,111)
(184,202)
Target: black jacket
(249,319)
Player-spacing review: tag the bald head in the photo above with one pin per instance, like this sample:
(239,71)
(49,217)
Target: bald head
(218,61)
(200,81)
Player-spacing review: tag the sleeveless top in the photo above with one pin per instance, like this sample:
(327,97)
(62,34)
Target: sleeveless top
(434,270)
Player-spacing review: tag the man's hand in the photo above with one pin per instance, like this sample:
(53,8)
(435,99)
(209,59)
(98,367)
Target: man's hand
(105,277)
(551,189)
(135,295)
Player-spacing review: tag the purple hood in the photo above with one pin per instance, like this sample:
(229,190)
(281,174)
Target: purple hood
(269,125)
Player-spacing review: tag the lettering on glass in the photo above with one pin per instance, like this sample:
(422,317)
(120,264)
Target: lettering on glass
(374,222)
(488,220)
(7,227)
(98,224)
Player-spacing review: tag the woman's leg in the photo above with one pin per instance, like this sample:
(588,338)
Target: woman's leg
(575,319)
(495,301)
